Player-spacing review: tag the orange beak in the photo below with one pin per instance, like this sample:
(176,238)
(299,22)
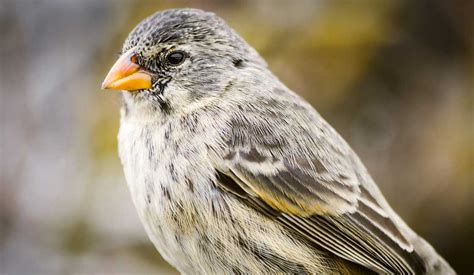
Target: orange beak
(127,75)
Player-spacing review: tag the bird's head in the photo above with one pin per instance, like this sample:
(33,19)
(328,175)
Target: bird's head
(178,58)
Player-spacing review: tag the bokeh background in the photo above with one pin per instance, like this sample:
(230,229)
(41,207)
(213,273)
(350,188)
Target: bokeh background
(395,78)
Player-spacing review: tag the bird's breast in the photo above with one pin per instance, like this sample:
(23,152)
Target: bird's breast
(169,177)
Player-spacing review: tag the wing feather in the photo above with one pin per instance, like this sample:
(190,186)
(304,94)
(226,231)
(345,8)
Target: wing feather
(297,170)
(363,233)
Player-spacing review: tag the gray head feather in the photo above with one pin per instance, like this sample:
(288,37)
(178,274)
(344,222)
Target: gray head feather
(213,50)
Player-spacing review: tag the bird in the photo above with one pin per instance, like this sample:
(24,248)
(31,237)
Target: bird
(231,172)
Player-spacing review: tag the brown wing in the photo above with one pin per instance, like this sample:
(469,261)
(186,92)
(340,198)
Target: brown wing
(335,213)
(285,161)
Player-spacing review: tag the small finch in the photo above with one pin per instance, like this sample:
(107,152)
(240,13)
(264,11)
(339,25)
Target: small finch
(232,172)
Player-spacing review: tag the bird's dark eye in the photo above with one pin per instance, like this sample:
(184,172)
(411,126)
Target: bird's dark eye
(176,58)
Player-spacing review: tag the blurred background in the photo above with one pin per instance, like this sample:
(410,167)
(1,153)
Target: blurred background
(395,78)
